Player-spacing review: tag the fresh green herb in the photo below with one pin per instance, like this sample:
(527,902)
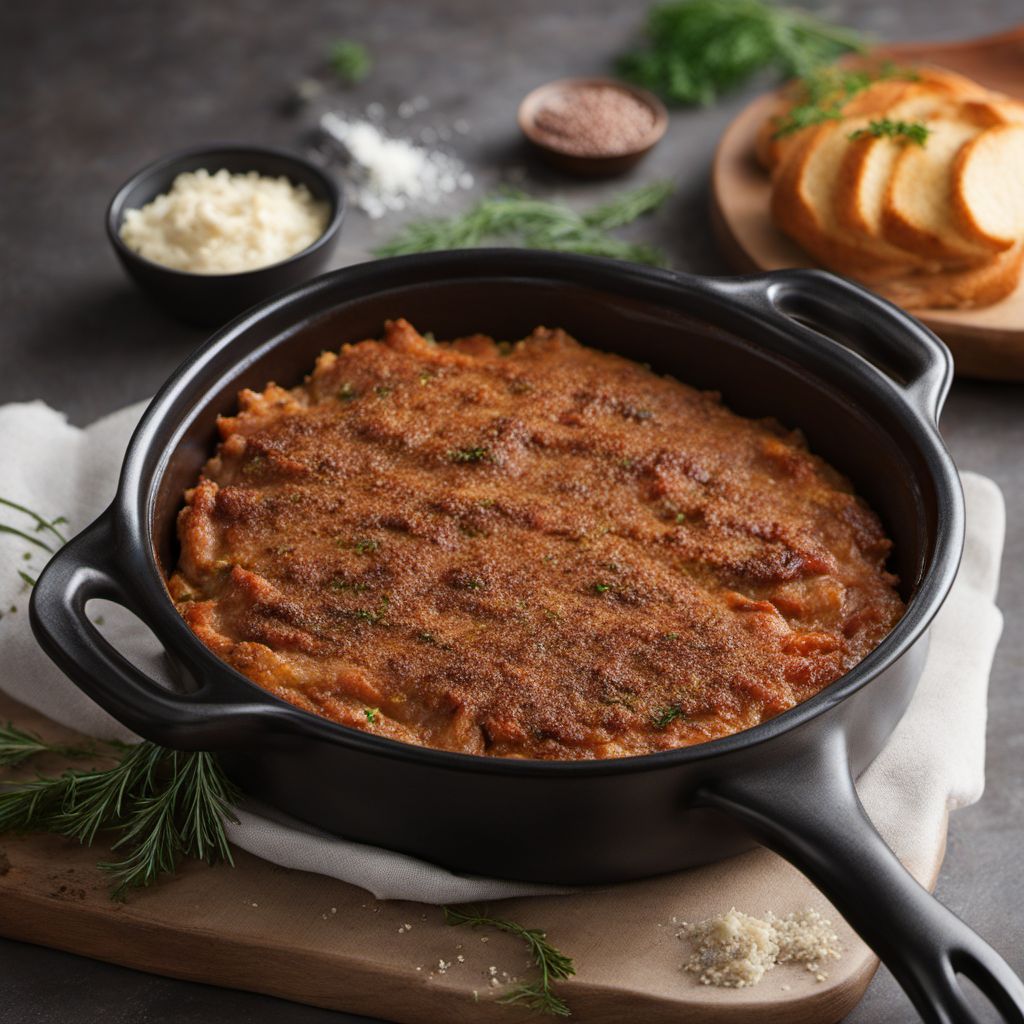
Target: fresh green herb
(602,588)
(350,60)
(371,714)
(823,93)
(426,377)
(519,219)
(479,454)
(365,545)
(680,517)
(374,615)
(27,556)
(26,578)
(909,131)
(17,746)
(160,805)
(666,716)
(552,963)
(347,392)
(697,49)
(671,636)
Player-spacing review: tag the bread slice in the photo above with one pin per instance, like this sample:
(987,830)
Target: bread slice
(988,187)
(958,289)
(917,212)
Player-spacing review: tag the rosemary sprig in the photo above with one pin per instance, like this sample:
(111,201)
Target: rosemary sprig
(160,805)
(17,746)
(916,132)
(553,964)
(698,49)
(519,219)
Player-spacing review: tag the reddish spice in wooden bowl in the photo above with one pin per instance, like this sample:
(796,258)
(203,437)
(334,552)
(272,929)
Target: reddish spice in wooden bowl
(592,125)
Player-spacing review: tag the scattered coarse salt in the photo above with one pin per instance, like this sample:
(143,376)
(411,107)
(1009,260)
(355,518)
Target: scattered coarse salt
(385,173)
(224,223)
(461,959)
(443,965)
(735,950)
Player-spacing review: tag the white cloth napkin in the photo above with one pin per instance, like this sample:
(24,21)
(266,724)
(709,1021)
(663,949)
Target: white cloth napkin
(933,763)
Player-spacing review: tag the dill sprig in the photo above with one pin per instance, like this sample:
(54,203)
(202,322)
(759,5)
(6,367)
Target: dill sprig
(159,805)
(519,219)
(824,92)
(553,964)
(17,746)
(697,49)
(351,61)
(42,525)
(916,132)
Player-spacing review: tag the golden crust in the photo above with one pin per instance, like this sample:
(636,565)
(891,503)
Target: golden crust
(534,550)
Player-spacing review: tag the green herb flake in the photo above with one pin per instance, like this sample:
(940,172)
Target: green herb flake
(680,517)
(602,588)
(477,454)
(347,392)
(350,61)
(383,390)
(371,714)
(365,545)
(666,716)
(915,132)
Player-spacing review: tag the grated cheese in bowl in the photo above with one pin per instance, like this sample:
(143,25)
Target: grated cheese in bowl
(225,223)
(736,950)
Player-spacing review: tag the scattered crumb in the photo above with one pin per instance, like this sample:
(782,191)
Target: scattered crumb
(735,950)
(443,965)
(461,959)
(403,928)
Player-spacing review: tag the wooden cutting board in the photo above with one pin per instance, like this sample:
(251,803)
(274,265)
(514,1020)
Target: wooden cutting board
(985,342)
(315,940)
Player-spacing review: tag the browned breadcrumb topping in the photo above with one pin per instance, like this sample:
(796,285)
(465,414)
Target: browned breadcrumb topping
(531,549)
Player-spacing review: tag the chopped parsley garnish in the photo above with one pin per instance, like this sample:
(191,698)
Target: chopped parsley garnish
(602,588)
(365,545)
(371,714)
(374,615)
(347,392)
(916,132)
(680,517)
(478,454)
(473,584)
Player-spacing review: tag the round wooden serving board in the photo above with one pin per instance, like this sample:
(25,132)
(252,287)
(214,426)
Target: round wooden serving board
(985,342)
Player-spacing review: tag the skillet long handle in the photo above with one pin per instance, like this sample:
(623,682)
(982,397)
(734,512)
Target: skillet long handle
(807,810)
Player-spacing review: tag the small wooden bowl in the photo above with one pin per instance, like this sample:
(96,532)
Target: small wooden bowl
(589,166)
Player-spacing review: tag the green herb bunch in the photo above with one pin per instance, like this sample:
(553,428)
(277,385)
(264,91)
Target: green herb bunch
(553,964)
(519,219)
(157,805)
(697,49)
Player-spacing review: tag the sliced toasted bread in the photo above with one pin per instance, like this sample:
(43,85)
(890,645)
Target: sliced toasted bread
(868,164)
(917,212)
(988,187)
(803,207)
(958,289)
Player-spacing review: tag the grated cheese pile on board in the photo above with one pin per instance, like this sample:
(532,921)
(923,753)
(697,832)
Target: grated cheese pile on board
(225,223)
(385,173)
(735,950)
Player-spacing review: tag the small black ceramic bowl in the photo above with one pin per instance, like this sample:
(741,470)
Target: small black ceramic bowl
(210,299)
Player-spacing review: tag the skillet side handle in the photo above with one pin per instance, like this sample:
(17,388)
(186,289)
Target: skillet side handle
(85,569)
(817,304)
(807,810)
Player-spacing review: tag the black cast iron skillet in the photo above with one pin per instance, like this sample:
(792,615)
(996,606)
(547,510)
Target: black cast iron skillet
(861,378)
